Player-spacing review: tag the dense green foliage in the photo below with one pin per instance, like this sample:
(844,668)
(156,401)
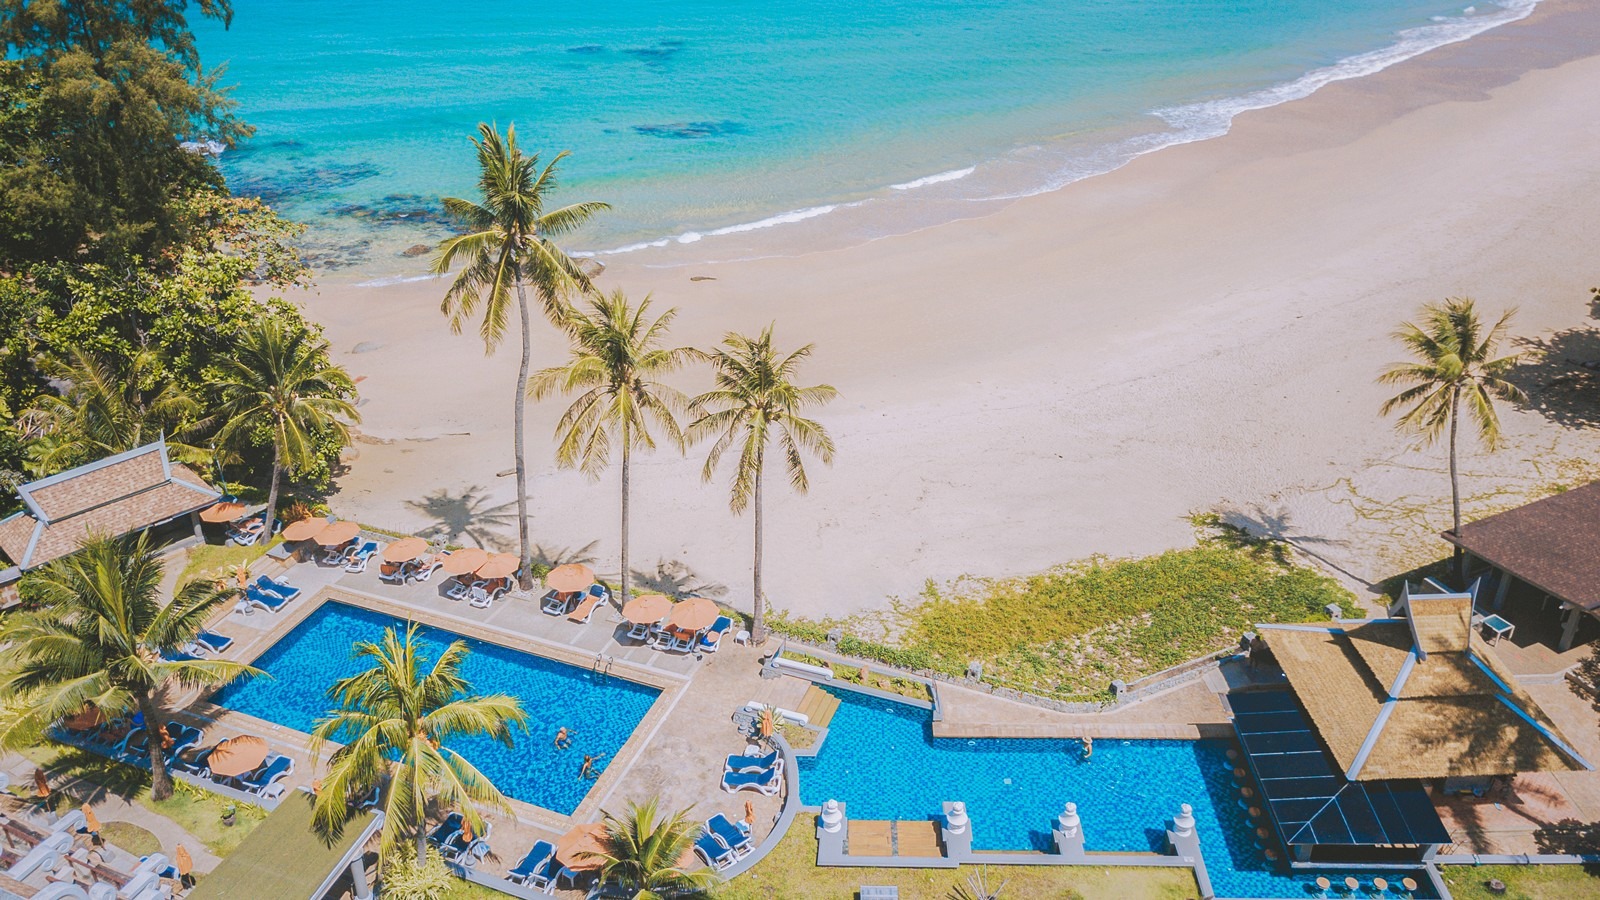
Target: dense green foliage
(126,269)
(1069,632)
(643,853)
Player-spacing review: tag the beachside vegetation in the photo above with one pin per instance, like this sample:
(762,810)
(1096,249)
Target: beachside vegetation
(790,872)
(866,676)
(394,720)
(122,253)
(1067,633)
(643,848)
(508,247)
(99,640)
(418,879)
(279,388)
(1455,361)
(616,366)
(754,401)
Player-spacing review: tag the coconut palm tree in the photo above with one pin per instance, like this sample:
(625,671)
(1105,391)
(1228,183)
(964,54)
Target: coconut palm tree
(106,406)
(508,246)
(1455,361)
(617,359)
(279,383)
(642,850)
(395,720)
(100,639)
(755,399)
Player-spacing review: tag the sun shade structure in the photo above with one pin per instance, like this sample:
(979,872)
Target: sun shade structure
(578,849)
(498,566)
(115,496)
(1311,801)
(305,529)
(1418,697)
(338,533)
(693,614)
(405,550)
(646,609)
(225,511)
(284,857)
(237,755)
(465,560)
(570,577)
(1553,544)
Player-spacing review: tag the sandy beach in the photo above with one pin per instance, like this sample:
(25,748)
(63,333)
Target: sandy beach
(1080,371)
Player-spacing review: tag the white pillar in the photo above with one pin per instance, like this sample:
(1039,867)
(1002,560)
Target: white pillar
(1569,630)
(1500,591)
(358,878)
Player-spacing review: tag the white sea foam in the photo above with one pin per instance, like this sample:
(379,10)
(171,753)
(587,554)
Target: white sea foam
(952,175)
(395,279)
(1187,123)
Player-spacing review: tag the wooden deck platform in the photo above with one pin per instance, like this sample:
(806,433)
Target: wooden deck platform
(868,837)
(818,706)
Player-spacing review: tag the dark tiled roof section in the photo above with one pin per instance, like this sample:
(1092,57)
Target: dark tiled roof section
(118,518)
(79,493)
(1553,544)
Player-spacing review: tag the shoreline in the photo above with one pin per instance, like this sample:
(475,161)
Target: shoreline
(1046,382)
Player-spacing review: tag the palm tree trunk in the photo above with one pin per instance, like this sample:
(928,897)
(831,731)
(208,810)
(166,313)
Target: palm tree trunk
(271,512)
(155,730)
(1455,489)
(525,549)
(626,459)
(758,625)
(422,841)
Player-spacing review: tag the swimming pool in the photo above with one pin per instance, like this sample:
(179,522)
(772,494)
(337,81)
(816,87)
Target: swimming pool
(601,711)
(882,761)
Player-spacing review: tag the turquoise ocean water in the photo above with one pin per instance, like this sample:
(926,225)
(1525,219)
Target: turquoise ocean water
(698,119)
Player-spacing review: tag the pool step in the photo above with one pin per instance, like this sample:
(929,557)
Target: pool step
(884,838)
(818,706)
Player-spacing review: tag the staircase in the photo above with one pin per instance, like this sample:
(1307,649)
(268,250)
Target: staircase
(818,706)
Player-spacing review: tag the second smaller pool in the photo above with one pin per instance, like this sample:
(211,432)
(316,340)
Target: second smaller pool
(600,712)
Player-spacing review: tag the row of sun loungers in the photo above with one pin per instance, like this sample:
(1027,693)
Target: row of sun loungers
(763,774)
(722,843)
(245,532)
(268,594)
(678,641)
(581,604)
(538,868)
(418,570)
(456,842)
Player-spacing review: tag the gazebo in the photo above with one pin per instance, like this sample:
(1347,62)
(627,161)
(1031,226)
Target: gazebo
(1552,545)
(1378,709)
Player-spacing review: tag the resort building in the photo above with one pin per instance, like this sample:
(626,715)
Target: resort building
(1378,718)
(138,490)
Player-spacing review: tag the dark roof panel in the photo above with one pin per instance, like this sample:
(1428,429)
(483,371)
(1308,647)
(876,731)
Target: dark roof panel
(1550,543)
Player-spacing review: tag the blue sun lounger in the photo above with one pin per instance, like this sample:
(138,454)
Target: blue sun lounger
(279,588)
(445,831)
(752,763)
(261,781)
(534,868)
(729,834)
(212,642)
(711,850)
(178,656)
(768,782)
(268,601)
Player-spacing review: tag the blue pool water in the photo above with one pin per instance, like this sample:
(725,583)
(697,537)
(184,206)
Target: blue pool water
(699,118)
(881,760)
(602,713)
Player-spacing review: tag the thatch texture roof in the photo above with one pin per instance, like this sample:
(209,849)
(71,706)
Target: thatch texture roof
(1451,717)
(1549,543)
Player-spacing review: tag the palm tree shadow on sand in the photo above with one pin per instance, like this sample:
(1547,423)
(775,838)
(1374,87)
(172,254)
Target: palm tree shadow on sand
(550,557)
(466,517)
(675,579)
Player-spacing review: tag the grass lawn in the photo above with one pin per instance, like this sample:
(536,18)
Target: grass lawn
(195,810)
(130,837)
(1069,632)
(790,872)
(1523,882)
(214,560)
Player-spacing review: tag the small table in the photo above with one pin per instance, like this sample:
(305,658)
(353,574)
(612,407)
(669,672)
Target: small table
(1499,626)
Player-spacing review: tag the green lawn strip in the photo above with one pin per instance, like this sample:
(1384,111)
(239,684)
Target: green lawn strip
(1523,882)
(130,837)
(191,808)
(790,872)
(1069,632)
(220,561)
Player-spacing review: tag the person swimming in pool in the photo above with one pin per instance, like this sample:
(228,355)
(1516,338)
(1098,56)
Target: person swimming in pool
(588,770)
(1088,747)
(563,738)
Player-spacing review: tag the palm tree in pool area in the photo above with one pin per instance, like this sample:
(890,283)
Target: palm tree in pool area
(617,361)
(279,382)
(756,399)
(508,246)
(395,720)
(102,638)
(1455,361)
(108,405)
(642,853)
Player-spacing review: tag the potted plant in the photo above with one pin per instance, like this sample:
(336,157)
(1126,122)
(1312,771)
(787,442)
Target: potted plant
(228,813)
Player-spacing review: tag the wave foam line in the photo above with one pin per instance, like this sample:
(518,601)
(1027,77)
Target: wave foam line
(952,175)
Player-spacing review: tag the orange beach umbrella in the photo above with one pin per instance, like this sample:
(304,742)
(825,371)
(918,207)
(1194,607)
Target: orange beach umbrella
(405,550)
(693,614)
(646,609)
(41,783)
(305,529)
(338,533)
(88,718)
(570,577)
(574,849)
(237,756)
(467,559)
(183,860)
(91,822)
(499,566)
(226,511)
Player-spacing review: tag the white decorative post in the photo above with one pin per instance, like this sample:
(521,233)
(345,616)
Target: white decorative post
(832,817)
(1183,824)
(957,819)
(956,832)
(1068,832)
